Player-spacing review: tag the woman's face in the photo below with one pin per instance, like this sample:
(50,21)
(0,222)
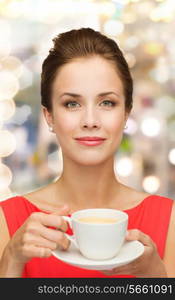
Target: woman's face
(87,100)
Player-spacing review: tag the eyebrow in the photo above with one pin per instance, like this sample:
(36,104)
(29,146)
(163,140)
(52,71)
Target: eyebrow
(79,96)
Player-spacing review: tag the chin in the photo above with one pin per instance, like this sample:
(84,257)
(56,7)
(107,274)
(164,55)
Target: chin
(90,161)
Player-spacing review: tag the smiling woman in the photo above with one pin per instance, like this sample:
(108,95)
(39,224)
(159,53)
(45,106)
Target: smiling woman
(86,95)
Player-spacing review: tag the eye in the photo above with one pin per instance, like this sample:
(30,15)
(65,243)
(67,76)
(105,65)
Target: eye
(71,104)
(108,103)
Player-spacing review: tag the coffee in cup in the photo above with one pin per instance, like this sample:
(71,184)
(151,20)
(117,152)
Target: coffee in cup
(99,233)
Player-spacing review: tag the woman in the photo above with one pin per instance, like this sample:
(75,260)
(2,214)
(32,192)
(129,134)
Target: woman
(86,91)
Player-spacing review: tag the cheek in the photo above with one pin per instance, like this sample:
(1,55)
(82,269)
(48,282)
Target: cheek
(64,123)
(114,124)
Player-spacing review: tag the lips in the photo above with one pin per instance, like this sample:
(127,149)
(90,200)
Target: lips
(89,138)
(90,141)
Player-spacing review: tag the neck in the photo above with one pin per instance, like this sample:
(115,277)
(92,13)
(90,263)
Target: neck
(88,186)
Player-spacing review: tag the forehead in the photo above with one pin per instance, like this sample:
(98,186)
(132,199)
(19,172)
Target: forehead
(87,74)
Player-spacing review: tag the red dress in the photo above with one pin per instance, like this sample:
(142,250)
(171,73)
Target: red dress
(151,216)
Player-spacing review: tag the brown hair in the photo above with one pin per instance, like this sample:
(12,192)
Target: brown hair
(83,42)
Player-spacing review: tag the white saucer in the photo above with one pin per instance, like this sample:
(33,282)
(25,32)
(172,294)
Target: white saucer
(129,251)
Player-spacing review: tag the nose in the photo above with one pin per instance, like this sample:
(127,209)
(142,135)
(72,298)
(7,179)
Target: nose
(90,118)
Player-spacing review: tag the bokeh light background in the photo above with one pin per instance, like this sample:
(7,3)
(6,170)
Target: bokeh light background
(145,31)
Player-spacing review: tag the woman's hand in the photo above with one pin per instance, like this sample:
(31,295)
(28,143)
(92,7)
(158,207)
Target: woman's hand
(36,238)
(149,264)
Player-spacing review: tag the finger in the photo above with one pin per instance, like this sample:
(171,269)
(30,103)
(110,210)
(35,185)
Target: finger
(39,241)
(56,236)
(31,251)
(107,272)
(63,210)
(50,220)
(123,270)
(138,235)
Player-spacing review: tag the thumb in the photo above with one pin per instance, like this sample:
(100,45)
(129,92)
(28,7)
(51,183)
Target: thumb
(63,210)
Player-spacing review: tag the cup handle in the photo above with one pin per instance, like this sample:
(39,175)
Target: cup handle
(70,237)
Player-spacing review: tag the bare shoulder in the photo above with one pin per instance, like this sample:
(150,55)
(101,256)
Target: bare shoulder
(43,198)
(132,196)
(170,246)
(4,233)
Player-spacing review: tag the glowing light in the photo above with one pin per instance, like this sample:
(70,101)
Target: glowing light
(131,127)
(8,145)
(131,42)
(14,9)
(22,114)
(9,85)
(5,48)
(5,33)
(166,104)
(106,8)
(7,109)
(153,48)
(124,166)
(164,12)
(26,79)
(171,156)
(129,17)
(150,127)
(151,184)
(160,74)
(113,27)
(12,64)
(5,177)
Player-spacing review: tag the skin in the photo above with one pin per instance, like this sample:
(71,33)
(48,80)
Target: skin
(95,180)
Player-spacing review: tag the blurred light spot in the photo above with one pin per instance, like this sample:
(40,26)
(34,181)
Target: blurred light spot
(9,85)
(21,115)
(151,184)
(8,143)
(124,166)
(123,2)
(113,27)
(106,8)
(131,126)
(5,35)
(160,74)
(129,17)
(5,177)
(171,156)
(166,104)
(153,48)
(5,48)
(163,12)
(26,78)
(22,148)
(12,64)
(15,9)
(150,127)
(131,42)
(7,109)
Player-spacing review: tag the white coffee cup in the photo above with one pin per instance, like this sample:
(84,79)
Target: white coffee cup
(99,233)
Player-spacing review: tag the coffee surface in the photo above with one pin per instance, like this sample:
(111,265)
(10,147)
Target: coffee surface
(97,220)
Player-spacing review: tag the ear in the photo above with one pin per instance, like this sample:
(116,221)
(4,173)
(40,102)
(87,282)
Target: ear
(48,117)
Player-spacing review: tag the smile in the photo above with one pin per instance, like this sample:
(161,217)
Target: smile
(90,143)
